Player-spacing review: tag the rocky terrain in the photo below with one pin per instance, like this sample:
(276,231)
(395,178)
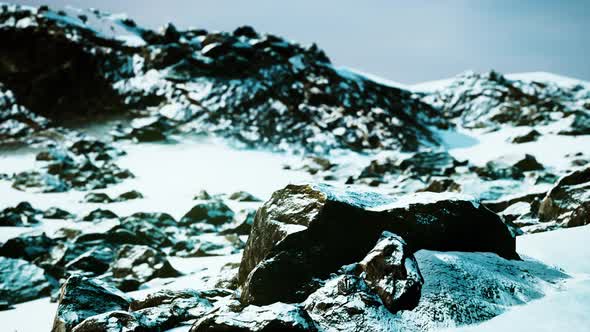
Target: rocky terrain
(191,180)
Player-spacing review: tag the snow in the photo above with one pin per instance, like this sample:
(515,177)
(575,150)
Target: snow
(168,175)
(565,310)
(426,198)
(358,75)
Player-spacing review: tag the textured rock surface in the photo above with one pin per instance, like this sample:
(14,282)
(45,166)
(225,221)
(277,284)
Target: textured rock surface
(82,297)
(21,281)
(274,317)
(306,232)
(568,202)
(392,272)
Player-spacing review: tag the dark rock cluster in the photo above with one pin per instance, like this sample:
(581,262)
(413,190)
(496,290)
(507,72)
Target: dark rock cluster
(85,164)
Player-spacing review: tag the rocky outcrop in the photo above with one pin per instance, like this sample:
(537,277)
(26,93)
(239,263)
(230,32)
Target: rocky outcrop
(81,298)
(304,233)
(489,100)
(84,164)
(568,202)
(275,93)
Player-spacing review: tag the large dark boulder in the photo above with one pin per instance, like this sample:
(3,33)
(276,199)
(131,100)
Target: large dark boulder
(82,297)
(306,232)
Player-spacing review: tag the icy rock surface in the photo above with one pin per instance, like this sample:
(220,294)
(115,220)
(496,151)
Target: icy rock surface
(21,281)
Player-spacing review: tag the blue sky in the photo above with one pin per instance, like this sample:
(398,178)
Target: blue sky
(407,41)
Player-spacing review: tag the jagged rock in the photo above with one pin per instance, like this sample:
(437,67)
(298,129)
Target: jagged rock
(568,202)
(21,215)
(84,164)
(126,196)
(114,321)
(130,231)
(531,136)
(29,247)
(306,232)
(489,100)
(96,261)
(502,204)
(57,213)
(243,196)
(528,163)
(100,214)
(346,303)
(165,309)
(379,168)
(141,264)
(97,198)
(203,195)
(441,185)
(82,297)
(215,213)
(21,281)
(392,272)
(274,317)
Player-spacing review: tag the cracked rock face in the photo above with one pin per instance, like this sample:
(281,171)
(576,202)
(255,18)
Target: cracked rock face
(304,233)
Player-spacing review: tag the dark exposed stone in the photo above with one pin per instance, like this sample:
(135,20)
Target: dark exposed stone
(307,232)
(215,213)
(97,198)
(442,185)
(21,281)
(126,196)
(100,214)
(392,272)
(567,202)
(531,136)
(57,213)
(243,196)
(29,247)
(82,297)
(141,263)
